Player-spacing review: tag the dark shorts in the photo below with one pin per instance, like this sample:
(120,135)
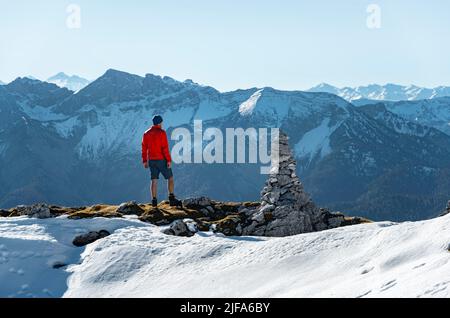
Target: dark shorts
(159,166)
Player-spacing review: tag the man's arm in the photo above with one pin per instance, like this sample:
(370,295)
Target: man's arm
(144,152)
(165,150)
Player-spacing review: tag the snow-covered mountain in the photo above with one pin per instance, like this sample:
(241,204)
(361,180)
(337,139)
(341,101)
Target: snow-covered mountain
(429,112)
(388,92)
(76,149)
(74,82)
(37,259)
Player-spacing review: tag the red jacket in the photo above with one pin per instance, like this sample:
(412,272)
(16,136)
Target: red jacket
(155,145)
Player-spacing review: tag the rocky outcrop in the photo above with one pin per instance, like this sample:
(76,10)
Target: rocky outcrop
(286,209)
(89,238)
(39,211)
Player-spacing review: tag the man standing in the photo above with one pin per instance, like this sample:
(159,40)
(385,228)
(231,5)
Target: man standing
(156,156)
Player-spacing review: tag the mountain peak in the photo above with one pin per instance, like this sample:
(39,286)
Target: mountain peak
(116,77)
(114,72)
(25,80)
(324,88)
(60,75)
(74,82)
(37,92)
(325,85)
(32,78)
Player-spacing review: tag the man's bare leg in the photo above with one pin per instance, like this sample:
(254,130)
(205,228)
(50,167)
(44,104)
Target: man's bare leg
(154,188)
(170,185)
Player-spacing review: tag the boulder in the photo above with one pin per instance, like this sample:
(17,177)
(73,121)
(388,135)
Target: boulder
(191,225)
(230,226)
(4,213)
(130,208)
(185,227)
(88,238)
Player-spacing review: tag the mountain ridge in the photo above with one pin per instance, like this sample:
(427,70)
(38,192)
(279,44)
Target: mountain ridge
(387,92)
(342,150)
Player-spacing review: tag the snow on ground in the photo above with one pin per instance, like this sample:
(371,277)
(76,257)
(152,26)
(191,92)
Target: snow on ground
(372,260)
(29,248)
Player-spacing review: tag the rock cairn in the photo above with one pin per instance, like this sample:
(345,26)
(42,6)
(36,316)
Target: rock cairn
(286,209)
(283,188)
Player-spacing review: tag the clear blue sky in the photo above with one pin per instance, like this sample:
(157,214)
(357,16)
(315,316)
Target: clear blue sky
(229,44)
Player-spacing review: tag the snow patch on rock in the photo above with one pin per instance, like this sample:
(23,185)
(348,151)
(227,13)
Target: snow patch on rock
(316,141)
(247,107)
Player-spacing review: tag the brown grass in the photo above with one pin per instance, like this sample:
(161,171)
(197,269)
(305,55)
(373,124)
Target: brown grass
(164,213)
(99,210)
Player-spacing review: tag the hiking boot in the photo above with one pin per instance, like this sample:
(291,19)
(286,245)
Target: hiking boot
(154,203)
(174,201)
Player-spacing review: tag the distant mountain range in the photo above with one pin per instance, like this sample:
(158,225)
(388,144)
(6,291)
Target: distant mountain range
(388,92)
(379,160)
(74,82)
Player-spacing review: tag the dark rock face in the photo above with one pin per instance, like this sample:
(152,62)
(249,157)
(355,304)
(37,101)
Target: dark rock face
(130,208)
(286,209)
(4,213)
(58,265)
(89,238)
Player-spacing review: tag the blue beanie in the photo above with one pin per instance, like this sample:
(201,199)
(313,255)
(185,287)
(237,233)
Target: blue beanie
(157,120)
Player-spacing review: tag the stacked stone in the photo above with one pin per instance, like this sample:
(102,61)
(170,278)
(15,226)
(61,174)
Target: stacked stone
(283,186)
(286,209)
